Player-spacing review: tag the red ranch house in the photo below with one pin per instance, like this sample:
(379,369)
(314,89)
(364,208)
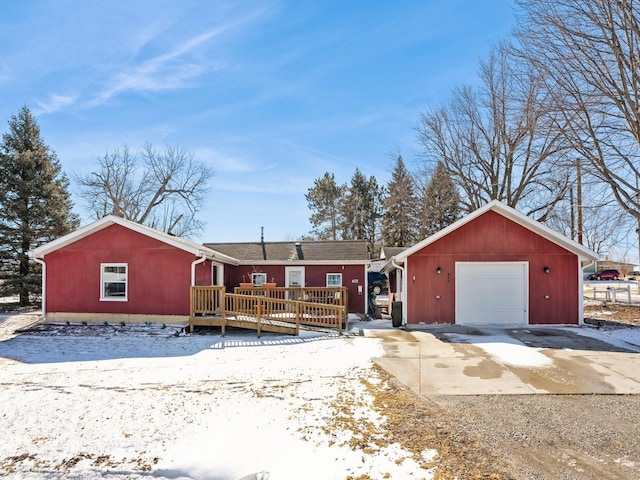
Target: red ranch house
(115,270)
(494,266)
(301,264)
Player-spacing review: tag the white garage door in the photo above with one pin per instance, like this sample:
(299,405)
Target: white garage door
(490,293)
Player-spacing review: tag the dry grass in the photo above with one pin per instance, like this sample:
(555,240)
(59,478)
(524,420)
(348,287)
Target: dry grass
(420,427)
(623,314)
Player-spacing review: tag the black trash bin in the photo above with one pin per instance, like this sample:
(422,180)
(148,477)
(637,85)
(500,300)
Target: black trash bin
(396,314)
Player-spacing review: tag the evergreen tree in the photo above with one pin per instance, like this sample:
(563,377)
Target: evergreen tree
(440,203)
(35,204)
(400,227)
(325,199)
(362,209)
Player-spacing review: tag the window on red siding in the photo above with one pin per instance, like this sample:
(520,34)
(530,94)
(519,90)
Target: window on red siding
(113,281)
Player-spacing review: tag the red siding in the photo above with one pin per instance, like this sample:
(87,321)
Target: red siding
(159,275)
(204,273)
(493,238)
(315,276)
(352,276)
(235,275)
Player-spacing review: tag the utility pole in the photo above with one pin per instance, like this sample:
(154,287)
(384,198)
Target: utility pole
(572,208)
(579,199)
(638,231)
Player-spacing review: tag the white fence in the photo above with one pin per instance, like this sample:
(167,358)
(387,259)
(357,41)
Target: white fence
(610,294)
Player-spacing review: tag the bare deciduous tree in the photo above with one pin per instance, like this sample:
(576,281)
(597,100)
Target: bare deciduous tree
(163,190)
(604,224)
(588,51)
(500,141)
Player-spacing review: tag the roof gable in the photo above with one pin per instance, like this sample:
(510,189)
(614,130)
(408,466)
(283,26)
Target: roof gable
(104,222)
(513,215)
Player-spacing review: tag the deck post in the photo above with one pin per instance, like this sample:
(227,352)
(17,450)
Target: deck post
(223,303)
(192,293)
(258,316)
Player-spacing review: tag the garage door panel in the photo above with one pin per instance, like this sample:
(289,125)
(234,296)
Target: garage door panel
(483,301)
(494,286)
(491,293)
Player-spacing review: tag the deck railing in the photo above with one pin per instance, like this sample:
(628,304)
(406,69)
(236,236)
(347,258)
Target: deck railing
(337,296)
(206,300)
(259,308)
(317,307)
(322,315)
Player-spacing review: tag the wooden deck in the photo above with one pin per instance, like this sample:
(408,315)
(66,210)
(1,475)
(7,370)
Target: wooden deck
(277,310)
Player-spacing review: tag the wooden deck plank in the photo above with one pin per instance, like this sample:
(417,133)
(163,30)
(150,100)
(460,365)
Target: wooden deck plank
(211,306)
(247,322)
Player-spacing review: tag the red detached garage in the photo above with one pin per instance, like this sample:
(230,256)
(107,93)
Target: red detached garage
(495,266)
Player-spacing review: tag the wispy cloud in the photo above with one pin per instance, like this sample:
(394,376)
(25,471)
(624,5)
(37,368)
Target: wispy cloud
(54,103)
(169,70)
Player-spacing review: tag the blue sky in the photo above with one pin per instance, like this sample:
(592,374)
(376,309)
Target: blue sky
(271,93)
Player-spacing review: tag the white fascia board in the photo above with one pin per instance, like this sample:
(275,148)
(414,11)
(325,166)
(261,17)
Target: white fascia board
(180,243)
(303,262)
(69,238)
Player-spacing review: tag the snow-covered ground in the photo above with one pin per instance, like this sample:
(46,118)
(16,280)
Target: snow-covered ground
(145,401)
(620,336)
(151,402)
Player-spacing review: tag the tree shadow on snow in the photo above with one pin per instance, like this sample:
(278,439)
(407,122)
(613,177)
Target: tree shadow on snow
(35,348)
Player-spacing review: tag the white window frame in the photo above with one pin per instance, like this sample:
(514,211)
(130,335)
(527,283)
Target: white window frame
(333,275)
(106,298)
(258,278)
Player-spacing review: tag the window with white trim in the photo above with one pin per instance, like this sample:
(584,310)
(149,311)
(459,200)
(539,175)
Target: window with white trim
(258,278)
(113,282)
(334,279)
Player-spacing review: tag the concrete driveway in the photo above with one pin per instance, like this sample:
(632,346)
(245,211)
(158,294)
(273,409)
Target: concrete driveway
(454,360)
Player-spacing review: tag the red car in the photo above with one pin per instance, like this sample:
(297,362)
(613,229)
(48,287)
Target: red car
(605,275)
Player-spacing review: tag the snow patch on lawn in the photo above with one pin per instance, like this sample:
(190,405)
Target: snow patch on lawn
(173,406)
(624,337)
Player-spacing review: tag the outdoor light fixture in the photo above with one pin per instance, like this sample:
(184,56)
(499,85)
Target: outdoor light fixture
(438,270)
(546,270)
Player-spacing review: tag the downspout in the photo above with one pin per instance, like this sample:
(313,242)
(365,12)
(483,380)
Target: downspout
(44,284)
(404,290)
(587,265)
(193,268)
(581,285)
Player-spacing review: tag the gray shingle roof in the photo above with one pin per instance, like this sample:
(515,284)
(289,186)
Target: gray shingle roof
(355,250)
(388,252)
